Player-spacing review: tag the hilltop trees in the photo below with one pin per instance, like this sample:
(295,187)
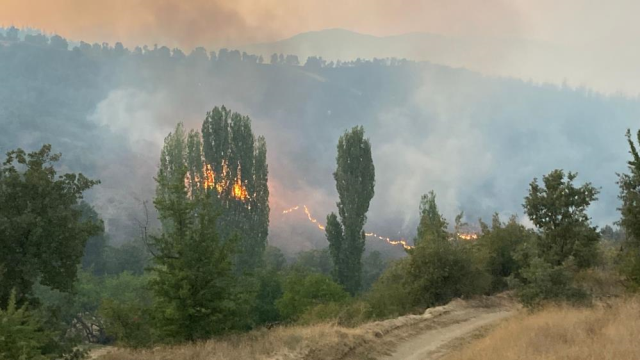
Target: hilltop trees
(355,180)
(42,233)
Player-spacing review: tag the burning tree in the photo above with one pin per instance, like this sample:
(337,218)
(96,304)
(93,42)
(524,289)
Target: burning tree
(227,160)
(355,180)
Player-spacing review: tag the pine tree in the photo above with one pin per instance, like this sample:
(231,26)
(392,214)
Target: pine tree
(355,180)
(194,283)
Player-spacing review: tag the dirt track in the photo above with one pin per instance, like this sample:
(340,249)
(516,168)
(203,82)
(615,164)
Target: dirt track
(435,342)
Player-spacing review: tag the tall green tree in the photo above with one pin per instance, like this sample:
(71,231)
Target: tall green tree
(432,226)
(239,162)
(630,210)
(355,181)
(194,283)
(42,231)
(558,209)
(227,160)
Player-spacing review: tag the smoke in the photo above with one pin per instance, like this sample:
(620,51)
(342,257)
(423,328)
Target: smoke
(231,23)
(476,141)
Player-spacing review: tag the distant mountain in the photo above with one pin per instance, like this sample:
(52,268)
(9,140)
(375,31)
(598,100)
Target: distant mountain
(512,57)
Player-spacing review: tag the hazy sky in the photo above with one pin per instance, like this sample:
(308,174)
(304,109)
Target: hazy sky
(215,22)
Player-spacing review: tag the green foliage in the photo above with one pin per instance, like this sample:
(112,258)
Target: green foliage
(497,247)
(541,282)
(304,291)
(316,260)
(274,259)
(355,181)
(234,154)
(389,295)
(559,210)
(439,271)
(99,308)
(432,224)
(23,335)
(269,291)
(129,257)
(194,285)
(372,267)
(42,235)
(630,211)
(128,324)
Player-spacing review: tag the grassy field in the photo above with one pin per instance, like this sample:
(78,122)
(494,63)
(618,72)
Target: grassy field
(605,331)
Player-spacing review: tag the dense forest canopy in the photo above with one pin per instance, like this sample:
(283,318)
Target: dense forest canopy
(476,140)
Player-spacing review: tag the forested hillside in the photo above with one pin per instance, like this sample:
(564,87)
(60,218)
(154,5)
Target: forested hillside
(476,140)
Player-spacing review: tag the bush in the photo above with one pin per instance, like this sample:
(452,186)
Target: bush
(304,291)
(496,248)
(542,282)
(130,324)
(439,271)
(388,296)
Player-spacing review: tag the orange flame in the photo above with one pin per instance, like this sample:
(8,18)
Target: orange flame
(401,242)
(291,210)
(306,211)
(238,190)
(468,236)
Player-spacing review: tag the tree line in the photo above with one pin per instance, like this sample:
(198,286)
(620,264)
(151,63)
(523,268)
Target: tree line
(209,270)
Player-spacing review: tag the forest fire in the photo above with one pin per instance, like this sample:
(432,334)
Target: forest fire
(238,190)
(468,236)
(401,242)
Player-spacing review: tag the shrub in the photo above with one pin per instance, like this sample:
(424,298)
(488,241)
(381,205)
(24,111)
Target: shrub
(542,282)
(439,271)
(22,334)
(304,291)
(388,296)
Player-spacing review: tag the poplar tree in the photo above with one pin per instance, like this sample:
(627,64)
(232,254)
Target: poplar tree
(355,181)
(228,161)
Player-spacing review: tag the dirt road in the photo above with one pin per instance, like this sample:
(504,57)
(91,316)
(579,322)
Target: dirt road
(435,342)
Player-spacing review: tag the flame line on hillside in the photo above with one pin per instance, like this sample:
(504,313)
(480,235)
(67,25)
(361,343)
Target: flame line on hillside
(401,242)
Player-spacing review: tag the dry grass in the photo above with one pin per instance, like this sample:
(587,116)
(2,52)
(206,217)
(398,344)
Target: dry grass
(316,342)
(605,331)
(296,342)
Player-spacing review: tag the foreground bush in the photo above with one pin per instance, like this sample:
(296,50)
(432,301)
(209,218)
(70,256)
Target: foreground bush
(542,282)
(23,335)
(305,291)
